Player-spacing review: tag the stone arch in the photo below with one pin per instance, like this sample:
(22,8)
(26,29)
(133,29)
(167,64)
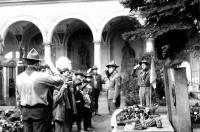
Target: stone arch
(112,16)
(5,27)
(122,51)
(80,17)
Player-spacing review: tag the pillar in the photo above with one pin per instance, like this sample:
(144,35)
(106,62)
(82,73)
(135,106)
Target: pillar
(105,56)
(97,54)
(5,89)
(2,75)
(47,51)
(1,49)
(149,45)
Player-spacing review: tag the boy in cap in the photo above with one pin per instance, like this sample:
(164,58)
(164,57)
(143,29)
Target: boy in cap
(88,83)
(79,102)
(87,114)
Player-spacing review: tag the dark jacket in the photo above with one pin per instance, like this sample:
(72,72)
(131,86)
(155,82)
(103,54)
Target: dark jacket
(61,103)
(97,82)
(79,99)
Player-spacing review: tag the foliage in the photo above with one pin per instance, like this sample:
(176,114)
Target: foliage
(163,16)
(166,17)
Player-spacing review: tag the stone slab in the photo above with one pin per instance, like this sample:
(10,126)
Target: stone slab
(167,127)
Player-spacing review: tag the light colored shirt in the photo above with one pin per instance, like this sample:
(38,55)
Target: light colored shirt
(95,81)
(32,89)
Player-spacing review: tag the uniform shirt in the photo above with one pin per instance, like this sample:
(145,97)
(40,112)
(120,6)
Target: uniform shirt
(113,84)
(144,79)
(32,87)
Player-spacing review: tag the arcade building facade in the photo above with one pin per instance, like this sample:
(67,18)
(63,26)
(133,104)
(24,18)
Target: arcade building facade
(87,32)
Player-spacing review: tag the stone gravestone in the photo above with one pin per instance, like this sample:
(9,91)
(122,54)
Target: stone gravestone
(177,99)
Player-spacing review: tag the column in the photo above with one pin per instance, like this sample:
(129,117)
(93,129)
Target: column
(149,45)
(97,55)
(5,89)
(2,75)
(1,49)
(47,51)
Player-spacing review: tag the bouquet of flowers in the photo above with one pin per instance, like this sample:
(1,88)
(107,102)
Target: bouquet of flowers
(139,117)
(195,113)
(10,121)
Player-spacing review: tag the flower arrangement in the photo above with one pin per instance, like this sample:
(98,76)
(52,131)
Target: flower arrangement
(10,121)
(195,113)
(139,117)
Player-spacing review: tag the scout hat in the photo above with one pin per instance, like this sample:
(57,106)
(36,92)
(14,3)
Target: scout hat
(94,68)
(112,64)
(33,55)
(144,61)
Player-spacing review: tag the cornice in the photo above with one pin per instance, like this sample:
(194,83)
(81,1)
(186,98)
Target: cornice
(35,2)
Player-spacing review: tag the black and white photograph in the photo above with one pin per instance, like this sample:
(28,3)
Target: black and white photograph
(99,65)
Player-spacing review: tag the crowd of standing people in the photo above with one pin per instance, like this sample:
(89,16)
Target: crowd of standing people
(53,98)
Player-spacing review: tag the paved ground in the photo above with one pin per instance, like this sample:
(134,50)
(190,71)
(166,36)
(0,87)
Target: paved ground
(102,123)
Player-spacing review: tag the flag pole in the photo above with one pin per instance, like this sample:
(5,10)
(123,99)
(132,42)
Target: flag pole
(150,86)
(150,95)
(151,82)
(152,71)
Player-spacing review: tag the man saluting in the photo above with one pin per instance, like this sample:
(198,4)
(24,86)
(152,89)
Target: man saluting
(143,76)
(31,93)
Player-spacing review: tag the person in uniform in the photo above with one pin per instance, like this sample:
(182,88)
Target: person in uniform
(113,84)
(143,76)
(97,87)
(32,88)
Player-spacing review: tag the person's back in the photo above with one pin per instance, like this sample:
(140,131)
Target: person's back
(34,86)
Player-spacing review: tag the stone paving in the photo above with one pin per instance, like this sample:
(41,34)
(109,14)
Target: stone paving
(102,123)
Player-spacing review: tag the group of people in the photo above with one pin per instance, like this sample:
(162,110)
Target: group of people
(59,96)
